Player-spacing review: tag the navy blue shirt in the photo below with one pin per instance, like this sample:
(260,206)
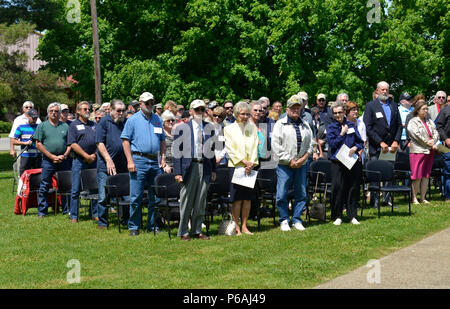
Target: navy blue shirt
(108,132)
(83,135)
(336,140)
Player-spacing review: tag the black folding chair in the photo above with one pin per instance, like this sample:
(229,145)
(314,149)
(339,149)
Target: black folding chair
(117,187)
(218,194)
(266,182)
(89,186)
(436,174)
(64,179)
(378,172)
(168,191)
(35,183)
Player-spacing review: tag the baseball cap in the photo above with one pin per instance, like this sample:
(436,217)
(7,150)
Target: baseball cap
(64,106)
(294,100)
(95,106)
(146,96)
(303,95)
(33,113)
(321,96)
(159,105)
(197,103)
(405,96)
(212,105)
(167,115)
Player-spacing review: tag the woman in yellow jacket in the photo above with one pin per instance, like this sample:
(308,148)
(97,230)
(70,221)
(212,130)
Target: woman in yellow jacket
(241,144)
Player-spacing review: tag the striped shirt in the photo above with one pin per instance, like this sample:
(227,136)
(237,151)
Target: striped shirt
(24,133)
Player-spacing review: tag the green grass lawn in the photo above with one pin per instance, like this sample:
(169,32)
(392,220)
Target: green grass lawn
(34,253)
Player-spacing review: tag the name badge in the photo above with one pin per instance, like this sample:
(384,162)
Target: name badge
(221,138)
(80,127)
(157,130)
(351,130)
(379,115)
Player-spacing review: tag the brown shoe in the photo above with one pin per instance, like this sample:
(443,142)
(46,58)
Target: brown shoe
(202,236)
(185,237)
(95,218)
(74,220)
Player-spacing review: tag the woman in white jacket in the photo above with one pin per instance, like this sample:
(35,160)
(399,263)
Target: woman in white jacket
(424,137)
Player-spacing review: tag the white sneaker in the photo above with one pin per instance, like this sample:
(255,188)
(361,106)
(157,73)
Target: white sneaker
(338,221)
(298,226)
(285,226)
(354,221)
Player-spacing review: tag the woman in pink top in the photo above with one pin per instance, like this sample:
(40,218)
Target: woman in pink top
(424,137)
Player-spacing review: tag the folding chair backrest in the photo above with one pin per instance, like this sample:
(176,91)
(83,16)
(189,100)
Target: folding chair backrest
(118,185)
(384,168)
(402,161)
(89,180)
(323,166)
(221,185)
(166,186)
(64,179)
(438,161)
(269,174)
(35,182)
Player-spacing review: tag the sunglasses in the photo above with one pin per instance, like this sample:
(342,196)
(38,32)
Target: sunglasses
(28,107)
(83,109)
(244,114)
(199,109)
(441,98)
(229,107)
(338,113)
(120,110)
(170,120)
(321,100)
(258,110)
(217,116)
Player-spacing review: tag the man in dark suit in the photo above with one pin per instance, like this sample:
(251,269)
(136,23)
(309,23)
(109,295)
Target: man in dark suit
(383,126)
(194,167)
(383,123)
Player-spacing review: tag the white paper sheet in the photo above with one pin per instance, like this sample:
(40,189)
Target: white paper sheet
(343,157)
(240,178)
(388,156)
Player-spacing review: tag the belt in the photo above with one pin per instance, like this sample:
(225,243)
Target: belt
(197,160)
(146,155)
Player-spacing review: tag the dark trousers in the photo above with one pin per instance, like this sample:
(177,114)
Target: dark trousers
(29,163)
(345,189)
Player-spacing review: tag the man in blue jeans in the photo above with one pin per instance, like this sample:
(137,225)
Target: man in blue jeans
(81,138)
(142,139)
(51,136)
(443,127)
(111,158)
(292,144)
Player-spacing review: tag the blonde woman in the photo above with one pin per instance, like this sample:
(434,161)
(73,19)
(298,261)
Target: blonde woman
(241,144)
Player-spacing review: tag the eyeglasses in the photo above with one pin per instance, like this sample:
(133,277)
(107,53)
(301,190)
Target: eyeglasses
(229,107)
(98,118)
(258,110)
(321,100)
(441,98)
(83,109)
(337,113)
(244,114)
(170,120)
(28,107)
(199,109)
(120,110)
(218,116)
(56,111)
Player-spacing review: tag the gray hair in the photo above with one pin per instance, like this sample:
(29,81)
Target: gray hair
(28,102)
(337,104)
(253,103)
(51,105)
(341,95)
(116,102)
(264,100)
(238,107)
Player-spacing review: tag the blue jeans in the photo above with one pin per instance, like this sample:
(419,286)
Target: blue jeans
(446,172)
(48,170)
(143,178)
(102,207)
(287,176)
(77,166)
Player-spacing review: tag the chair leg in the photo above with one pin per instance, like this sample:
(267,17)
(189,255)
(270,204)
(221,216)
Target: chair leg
(380,200)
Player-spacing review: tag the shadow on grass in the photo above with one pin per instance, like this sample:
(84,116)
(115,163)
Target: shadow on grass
(6,162)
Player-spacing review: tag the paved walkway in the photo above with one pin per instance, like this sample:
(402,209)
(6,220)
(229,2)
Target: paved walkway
(424,265)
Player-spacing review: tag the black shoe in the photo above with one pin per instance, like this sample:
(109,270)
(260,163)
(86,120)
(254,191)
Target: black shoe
(134,232)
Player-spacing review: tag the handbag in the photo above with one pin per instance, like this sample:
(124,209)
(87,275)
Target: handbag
(318,210)
(227,226)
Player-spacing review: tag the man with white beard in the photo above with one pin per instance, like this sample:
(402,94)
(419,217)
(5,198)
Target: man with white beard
(383,125)
(111,159)
(81,138)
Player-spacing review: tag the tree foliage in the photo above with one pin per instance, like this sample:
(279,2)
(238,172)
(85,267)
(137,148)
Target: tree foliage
(233,49)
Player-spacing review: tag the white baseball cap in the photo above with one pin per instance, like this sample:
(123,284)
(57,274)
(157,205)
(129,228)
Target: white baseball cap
(197,103)
(146,96)
(321,96)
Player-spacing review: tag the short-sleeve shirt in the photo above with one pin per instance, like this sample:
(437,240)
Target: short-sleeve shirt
(82,134)
(108,132)
(24,133)
(22,119)
(145,135)
(53,138)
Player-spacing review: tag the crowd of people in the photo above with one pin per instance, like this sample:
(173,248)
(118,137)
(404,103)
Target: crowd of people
(146,139)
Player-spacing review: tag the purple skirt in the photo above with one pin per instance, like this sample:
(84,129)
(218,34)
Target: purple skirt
(421,164)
